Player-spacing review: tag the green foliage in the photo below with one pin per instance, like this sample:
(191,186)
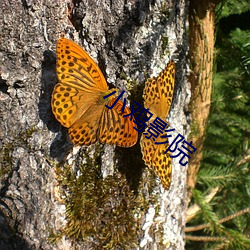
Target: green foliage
(230,7)
(207,211)
(226,154)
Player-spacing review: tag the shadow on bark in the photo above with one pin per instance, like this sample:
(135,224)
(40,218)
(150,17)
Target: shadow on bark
(131,165)
(61,145)
(9,239)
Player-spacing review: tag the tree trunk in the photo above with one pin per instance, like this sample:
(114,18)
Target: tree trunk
(54,196)
(201,41)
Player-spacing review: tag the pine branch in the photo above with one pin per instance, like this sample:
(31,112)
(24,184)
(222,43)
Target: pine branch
(233,239)
(224,176)
(218,176)
(221,246)
(244,160)
(207,211)
(205,238)
(230,217)
(194,209)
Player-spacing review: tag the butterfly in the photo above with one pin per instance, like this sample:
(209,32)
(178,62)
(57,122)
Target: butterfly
(78,103)
(157,95)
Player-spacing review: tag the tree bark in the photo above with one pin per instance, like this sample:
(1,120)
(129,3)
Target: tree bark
(131,40)
(201,41)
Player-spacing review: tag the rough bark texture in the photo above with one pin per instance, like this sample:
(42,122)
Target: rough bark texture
(201,41)
(123,36)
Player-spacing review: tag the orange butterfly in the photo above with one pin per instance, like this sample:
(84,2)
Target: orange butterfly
(157,94)
(78,103)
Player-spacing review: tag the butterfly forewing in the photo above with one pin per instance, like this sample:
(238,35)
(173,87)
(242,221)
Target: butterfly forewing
(70,104)
(76,69)
(158,91)
(63,105)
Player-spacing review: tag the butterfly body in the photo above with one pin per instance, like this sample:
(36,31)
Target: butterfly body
(78,101)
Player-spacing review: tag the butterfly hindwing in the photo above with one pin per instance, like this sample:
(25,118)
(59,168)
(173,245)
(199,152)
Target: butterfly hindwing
(116,129)
(154,157)
(84,134)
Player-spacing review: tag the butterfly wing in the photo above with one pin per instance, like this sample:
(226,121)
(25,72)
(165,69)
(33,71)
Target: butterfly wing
(81,85)
(85,130)
(78,104)
(75,68)
(154,157)
(83,134)
(69,104)
(158,91)
(157,94)
(116,129)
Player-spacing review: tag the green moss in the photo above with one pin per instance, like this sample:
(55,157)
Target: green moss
(28,133)
(104,211)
